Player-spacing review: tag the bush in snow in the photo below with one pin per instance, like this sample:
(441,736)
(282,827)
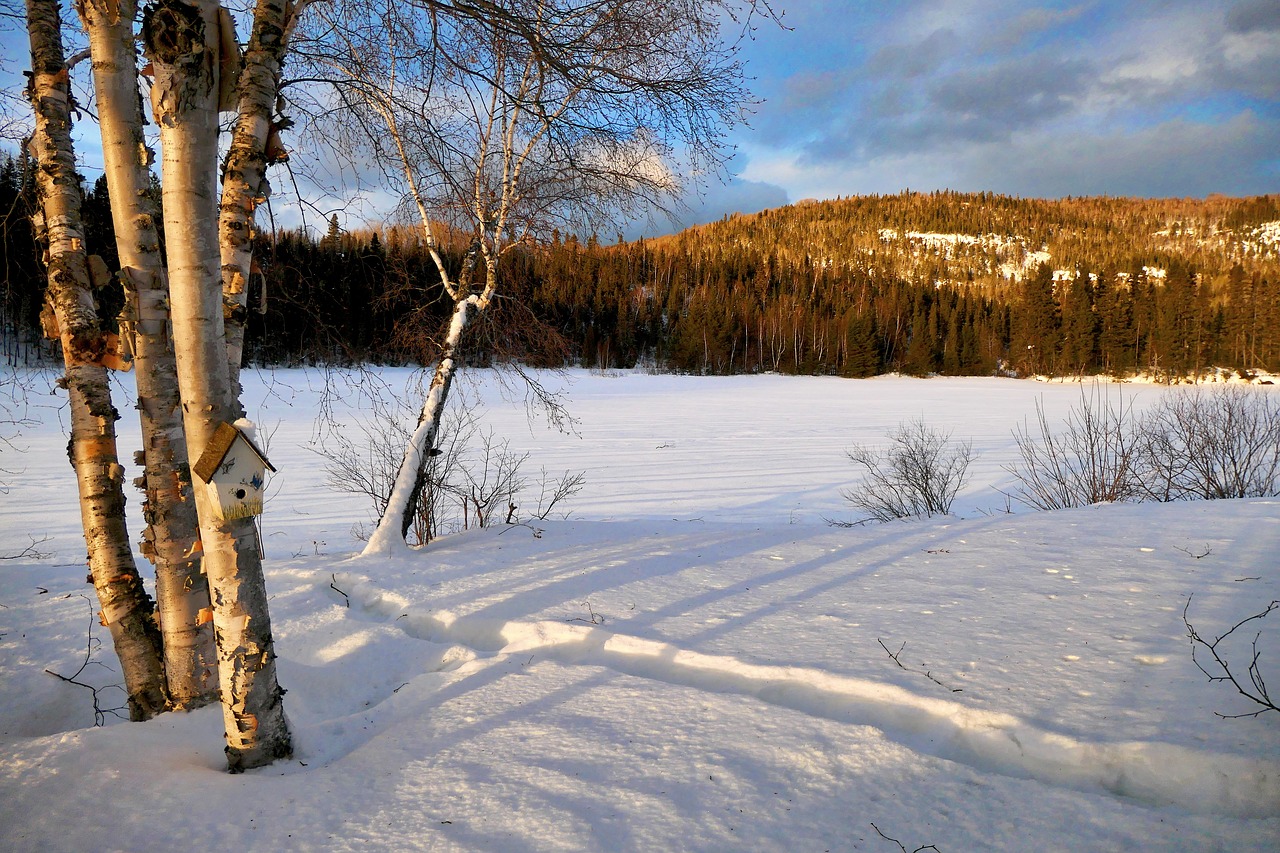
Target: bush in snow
(1206,444)
(1202,444)
(473,480)
(918,474)
(1092,459)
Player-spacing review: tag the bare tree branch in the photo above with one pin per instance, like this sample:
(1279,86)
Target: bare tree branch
(1256,688)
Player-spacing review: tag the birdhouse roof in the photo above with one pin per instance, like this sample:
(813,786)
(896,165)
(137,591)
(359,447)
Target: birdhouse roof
(216,450)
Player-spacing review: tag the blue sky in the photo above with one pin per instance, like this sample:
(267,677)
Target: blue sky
(1153,99)
(1157,98)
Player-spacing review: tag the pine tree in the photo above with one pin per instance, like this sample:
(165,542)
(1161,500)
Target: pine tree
(1036,324)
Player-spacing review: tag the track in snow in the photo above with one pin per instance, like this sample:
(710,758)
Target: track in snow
(1158,774)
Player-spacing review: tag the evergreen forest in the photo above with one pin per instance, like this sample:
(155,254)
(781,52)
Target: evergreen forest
(917,283)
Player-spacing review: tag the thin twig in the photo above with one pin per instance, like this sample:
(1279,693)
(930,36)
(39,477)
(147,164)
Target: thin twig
(536,531)
(1259,694)
(596,618)
(99,712)
(30,552)
(334,586)
(902,846)
(894,656)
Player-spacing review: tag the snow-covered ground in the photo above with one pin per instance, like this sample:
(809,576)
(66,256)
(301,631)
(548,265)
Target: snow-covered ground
(694,660)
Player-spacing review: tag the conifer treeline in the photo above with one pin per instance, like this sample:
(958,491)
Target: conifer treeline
(23,285)
(944,283)
(938,283)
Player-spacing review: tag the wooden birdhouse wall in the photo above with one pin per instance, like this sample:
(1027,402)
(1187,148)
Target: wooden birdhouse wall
(238,483)
(234,473)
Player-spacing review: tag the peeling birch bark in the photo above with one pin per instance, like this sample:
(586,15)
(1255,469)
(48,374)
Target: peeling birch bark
(182,589)
(244,181)
(183,42)
(126,609)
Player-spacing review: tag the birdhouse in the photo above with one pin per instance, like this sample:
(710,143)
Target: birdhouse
(234,472)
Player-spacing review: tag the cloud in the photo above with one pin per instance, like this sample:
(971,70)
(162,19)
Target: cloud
(1175,158)
(1240,156)
(739,195)
(914,60)
(1249,63)
(1253,16)
(1029,24)
(1018,92)
(985,104)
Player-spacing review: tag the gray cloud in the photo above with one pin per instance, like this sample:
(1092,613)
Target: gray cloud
(1028,24)
(986,104)
(1018,92)
(1248,62)
(914,60)
(1176,158)
(1254,15)
(714,202)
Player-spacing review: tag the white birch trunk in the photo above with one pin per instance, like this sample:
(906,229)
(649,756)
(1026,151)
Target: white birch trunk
(398,515)
(182,42)
(127,611)
(244,182)
(182,589)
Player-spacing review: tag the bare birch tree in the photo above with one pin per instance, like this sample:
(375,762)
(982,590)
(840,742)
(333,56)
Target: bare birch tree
(188,45)
(126,609)
(170,541)
(254,145)
(504,120)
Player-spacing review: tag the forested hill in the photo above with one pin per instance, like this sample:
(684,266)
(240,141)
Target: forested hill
(942,282)
(993,240)
(918,283)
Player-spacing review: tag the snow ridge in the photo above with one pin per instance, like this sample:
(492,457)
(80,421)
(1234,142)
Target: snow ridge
(1153,773)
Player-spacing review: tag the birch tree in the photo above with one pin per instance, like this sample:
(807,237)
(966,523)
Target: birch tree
(506,120)
(189,46)
(254,145)
(172,536)
(126,609)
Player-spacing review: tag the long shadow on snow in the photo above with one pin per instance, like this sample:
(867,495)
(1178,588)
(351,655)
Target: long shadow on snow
(1155,773)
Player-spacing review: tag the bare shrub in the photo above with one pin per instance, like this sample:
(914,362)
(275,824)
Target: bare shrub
(471,479)
(489,478)
(1206,444)
(364,461)
(918,474)
(1090,460)
(552,492)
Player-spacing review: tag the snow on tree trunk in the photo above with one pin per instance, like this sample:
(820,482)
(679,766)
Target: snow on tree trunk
(398,514)
(182,589)
(127,611)
(183,43)
(254,146)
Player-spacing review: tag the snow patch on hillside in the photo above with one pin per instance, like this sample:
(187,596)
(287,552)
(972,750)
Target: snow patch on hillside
(1014,258)
(1268,233)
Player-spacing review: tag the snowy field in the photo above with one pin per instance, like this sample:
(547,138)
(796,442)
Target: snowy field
(693,660)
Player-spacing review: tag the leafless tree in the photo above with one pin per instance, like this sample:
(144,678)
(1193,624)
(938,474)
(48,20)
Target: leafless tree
(502,120)
(169,541)
(126,608)
(193,52)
